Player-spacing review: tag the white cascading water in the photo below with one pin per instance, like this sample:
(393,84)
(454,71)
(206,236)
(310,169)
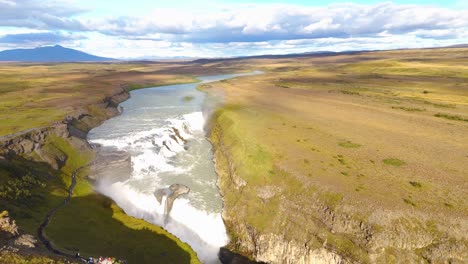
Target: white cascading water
(162,130)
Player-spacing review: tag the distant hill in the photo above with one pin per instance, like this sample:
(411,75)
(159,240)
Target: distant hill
(49,54)
(459,46)
(291,55)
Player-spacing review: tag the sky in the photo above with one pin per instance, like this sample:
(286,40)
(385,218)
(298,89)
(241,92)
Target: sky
(208,28)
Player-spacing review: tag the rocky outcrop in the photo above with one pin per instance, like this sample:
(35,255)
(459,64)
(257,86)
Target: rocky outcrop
(8,227)
(117,162)
(228,257)
(276,249)
(26,240)
(171,194)
(10,236)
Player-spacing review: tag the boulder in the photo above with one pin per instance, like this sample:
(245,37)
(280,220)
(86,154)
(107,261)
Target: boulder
(26,240)
(171,193)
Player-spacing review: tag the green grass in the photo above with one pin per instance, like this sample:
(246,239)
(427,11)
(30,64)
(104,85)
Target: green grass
(16,119)
(451,117)
(256,159)
(94,225)
(29,210)
(394,162)
(15,258)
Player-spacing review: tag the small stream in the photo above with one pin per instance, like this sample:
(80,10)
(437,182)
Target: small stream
(161,130)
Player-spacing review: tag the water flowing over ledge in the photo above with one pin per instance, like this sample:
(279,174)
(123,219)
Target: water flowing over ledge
(161,132)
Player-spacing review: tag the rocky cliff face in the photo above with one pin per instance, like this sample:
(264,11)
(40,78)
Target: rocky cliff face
(246,240)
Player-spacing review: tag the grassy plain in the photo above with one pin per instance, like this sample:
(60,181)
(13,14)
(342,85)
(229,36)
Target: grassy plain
(35,95)
(377,137)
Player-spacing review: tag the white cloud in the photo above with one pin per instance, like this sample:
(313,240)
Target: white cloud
(245,29)
(253,23)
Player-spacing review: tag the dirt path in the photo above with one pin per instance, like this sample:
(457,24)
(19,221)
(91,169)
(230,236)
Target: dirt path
(51,213)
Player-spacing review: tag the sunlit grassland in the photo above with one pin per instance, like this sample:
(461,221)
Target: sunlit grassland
(346,132)
(35,95)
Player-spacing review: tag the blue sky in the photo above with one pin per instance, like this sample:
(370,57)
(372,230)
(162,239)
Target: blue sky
(208,28)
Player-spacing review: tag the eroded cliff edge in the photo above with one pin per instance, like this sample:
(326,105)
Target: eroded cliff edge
(32,143)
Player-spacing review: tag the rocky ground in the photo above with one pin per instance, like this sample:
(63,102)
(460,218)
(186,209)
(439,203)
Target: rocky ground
(19,247)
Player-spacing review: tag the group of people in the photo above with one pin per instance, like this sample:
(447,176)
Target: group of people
(101,260)
(92,260)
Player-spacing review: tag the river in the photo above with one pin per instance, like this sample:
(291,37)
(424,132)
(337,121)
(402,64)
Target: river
(161,129)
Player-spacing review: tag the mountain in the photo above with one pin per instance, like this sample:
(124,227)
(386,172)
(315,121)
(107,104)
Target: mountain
(55,53)
(279,56)
(459,46)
